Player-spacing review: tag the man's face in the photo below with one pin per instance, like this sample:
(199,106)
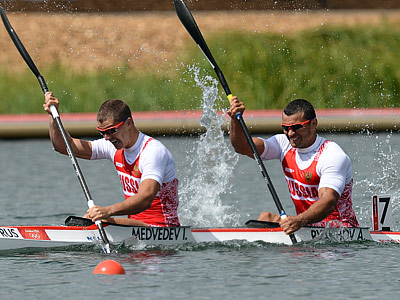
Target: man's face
(116,133)
(302,137)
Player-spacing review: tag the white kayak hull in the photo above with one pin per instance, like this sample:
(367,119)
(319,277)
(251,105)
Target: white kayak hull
(386,236)
(17,237)
(277,236)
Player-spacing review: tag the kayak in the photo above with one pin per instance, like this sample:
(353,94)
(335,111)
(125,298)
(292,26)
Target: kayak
(80,231)
(16,237)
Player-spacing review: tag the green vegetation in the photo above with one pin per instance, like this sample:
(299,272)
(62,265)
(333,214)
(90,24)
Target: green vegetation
(84,92)
(332,67)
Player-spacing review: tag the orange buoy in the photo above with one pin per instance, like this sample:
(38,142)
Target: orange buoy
(109,267)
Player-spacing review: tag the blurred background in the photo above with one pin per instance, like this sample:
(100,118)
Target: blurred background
(165,5)
(338,54)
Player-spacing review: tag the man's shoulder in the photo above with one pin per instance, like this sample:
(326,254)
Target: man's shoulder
(335,148)
(280,139)
(151,142)
(154,147)
(102,148)
(333,154)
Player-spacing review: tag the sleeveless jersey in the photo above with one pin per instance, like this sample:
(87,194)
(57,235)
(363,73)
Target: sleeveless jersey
(163,210)
(303,188)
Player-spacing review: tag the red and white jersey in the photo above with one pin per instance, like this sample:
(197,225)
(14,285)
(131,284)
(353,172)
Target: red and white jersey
(323,164)
(146,159)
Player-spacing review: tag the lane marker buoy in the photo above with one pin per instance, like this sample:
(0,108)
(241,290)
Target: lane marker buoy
(109,267)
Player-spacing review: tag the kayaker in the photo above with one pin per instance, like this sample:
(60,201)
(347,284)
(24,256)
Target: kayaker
(145,166)
(318,172)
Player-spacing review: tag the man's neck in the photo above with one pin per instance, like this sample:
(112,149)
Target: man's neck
(133,137)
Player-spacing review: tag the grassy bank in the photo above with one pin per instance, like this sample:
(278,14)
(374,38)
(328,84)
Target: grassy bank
(332,67)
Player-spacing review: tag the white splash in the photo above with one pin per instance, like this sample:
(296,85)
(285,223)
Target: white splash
(384,177)
(212,166)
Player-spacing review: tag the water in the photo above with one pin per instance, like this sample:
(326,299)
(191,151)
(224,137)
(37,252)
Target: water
(40,187)
(217,187)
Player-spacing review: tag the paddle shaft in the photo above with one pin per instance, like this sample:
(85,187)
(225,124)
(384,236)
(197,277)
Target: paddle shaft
(28,60)
(190,24)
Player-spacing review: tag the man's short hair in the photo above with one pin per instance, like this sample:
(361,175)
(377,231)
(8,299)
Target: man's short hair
(300,105)
(115,109)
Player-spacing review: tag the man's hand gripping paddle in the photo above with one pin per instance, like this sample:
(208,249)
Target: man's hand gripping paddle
(56,116)
(188,21)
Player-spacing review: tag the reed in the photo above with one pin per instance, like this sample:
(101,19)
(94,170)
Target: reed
(336,67)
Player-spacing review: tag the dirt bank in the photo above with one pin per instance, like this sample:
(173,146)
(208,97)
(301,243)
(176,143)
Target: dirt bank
(90,41)
(210,5)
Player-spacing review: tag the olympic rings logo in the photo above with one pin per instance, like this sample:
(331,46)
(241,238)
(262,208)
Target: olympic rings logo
(35,236)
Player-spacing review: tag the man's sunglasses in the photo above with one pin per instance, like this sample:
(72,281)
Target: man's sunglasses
(295,126)
(111,130)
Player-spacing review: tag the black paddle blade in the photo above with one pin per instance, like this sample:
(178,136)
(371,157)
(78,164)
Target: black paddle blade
(21,49)
(190,24)
(18,42)
(78,221)
(261,224)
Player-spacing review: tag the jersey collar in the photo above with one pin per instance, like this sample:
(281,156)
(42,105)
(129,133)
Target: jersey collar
(318,141)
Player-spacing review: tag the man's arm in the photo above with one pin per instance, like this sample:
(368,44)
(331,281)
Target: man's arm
(147,191)
(315,213)
(81,148)
(237,137)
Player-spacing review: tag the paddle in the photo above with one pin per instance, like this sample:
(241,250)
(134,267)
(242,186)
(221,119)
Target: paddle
(78,221)
(25,55)
(261,224)
(188,21)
